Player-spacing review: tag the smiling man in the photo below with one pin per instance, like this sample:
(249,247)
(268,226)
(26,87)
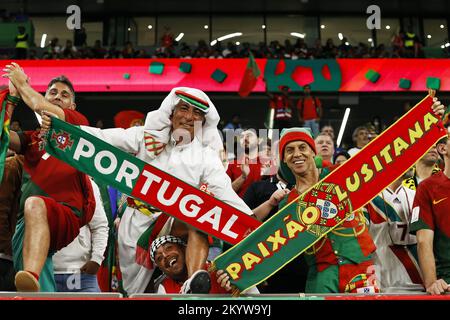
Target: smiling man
(180,138)
(342,260)
(168,253)
(185,116)
(56,199)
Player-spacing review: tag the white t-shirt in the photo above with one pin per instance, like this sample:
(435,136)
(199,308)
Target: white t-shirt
(395,263)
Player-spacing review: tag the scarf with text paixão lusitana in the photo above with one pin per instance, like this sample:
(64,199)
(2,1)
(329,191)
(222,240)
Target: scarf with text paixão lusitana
(304,221)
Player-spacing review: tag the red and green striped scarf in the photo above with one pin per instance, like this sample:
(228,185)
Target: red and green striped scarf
(193,100)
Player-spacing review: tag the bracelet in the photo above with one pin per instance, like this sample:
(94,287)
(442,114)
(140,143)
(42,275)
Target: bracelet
(12,99)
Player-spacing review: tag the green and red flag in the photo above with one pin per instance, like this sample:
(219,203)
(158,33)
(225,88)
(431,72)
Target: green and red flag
(104,274)
(250,77)
(304,221)
(4,133)
(146,239)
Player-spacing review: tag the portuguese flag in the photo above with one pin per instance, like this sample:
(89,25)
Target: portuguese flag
(104,274)
(4,133)
(251,74)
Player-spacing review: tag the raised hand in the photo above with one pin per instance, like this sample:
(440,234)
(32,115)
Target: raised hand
(15,74)
(438,107)
(245,168)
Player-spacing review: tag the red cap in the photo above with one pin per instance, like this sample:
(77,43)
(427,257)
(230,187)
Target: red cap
(128,118)
(295,134)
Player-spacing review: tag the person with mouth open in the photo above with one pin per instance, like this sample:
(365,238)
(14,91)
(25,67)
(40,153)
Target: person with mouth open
(325,147)
(182,139)
(342,260)
(169,255)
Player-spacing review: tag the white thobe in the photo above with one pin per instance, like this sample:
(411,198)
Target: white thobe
(193,163)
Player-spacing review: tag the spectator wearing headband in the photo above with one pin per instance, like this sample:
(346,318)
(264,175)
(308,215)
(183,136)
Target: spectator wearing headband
(172,141)
(168,253)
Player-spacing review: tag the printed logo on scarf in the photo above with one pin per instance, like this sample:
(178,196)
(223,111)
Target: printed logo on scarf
(63,140)
(322,207)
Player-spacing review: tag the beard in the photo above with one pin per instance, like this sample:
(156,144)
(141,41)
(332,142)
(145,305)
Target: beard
(251,150)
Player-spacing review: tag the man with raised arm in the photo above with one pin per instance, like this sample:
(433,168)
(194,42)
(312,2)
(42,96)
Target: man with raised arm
(56,199)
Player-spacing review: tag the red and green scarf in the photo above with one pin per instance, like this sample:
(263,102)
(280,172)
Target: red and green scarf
(147,183)
(303,222)
(294,228)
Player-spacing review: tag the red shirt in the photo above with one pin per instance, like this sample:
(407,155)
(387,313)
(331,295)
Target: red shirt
(48,176)
(433,200)
(431,211)
(234,171)
(167,40)
(282,108)
(310,108)
(171,286)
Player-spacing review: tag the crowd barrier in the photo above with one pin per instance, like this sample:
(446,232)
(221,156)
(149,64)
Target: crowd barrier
(250,297)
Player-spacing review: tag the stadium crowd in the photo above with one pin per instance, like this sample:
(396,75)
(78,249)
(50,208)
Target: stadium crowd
(274,50)
(404,44)
(63,231)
